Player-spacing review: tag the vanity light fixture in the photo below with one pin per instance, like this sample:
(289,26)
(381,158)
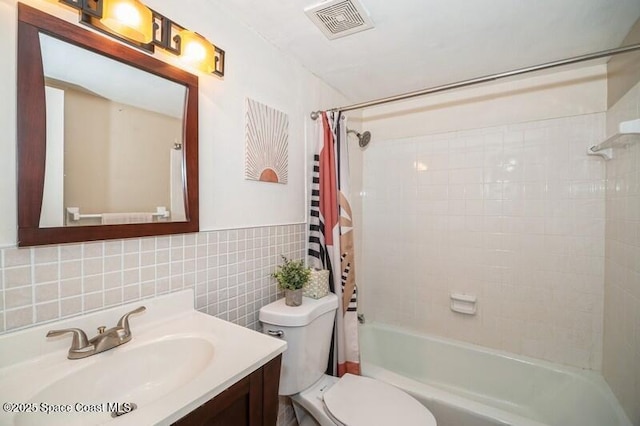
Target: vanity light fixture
(137,25)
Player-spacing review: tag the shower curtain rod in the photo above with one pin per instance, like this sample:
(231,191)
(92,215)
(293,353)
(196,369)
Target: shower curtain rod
(491,77)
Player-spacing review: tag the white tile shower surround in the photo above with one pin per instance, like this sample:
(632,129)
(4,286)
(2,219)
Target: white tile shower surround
(621,358)
(512,214)
(230,271)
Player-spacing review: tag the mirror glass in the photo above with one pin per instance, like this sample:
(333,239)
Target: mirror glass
(114,138)
(107,137)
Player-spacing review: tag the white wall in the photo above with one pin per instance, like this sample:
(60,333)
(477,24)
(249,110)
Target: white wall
(257,70)
(488,191)
(254,68)
(536,97)
(621,361)
(228,268)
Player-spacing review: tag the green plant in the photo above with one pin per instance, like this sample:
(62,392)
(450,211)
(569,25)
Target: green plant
(292,274)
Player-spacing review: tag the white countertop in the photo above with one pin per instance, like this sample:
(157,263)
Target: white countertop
(32,366)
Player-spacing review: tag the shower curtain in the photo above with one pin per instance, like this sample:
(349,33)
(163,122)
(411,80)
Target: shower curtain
(331,244)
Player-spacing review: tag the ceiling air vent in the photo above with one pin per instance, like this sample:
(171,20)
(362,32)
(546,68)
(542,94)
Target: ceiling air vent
(339,18)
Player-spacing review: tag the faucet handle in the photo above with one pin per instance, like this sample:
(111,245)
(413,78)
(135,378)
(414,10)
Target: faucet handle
(124,321)
(80,340)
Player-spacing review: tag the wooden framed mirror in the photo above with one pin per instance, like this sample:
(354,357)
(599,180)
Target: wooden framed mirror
(107,137)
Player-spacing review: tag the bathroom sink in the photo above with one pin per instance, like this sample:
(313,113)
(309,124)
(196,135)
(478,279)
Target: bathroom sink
(139,375)
(177,360)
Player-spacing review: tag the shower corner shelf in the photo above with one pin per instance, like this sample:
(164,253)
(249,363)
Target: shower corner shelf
(628,131)
(606,153)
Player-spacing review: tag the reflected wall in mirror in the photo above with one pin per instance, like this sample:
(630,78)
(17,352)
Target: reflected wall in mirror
(107,137)
(127,167)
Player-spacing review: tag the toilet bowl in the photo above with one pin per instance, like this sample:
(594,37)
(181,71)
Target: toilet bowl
(325,400)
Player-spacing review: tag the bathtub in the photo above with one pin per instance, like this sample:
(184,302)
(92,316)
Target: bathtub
(467,385)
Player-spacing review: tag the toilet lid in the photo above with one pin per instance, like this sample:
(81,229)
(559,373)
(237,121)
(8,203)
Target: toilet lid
(361,401)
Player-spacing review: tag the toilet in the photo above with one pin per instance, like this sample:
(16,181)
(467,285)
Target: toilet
(320,399)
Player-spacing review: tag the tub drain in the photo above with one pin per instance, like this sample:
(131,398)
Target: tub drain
(123,409)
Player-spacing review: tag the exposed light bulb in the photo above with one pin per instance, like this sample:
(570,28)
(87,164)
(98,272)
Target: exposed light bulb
(194,52)
(127,14)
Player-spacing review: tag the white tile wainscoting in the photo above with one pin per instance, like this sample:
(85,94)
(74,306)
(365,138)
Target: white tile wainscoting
(229,269)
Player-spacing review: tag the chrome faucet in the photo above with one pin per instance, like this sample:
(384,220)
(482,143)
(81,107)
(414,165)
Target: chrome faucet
(82,347)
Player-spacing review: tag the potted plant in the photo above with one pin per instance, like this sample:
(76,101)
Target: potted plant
(292,275)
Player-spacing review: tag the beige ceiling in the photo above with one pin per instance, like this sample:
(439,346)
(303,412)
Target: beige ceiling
(423,43)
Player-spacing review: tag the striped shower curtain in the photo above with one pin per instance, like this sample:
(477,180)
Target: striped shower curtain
(331,244)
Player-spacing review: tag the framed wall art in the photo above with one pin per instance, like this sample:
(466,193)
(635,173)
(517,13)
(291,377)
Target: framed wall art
(266,143)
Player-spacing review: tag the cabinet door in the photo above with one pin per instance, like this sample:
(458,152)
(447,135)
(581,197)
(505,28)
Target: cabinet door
(230,408)
(252,401)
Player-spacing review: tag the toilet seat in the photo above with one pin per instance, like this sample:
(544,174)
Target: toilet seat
(362,401)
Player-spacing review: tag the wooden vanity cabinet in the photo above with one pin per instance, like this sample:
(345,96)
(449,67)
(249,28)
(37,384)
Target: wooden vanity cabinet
(252,401)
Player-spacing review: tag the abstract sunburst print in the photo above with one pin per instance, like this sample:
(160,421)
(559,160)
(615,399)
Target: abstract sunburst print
(267,142)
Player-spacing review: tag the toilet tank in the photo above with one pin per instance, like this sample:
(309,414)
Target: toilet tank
(307,329)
